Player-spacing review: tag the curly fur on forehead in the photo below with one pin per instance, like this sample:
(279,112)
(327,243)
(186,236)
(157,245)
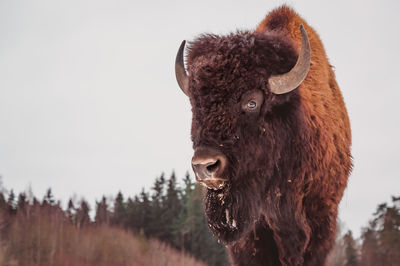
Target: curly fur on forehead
(244,60)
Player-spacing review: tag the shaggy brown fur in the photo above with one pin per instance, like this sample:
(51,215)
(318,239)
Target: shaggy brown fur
(289,162)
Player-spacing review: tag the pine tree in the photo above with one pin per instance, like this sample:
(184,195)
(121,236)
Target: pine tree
(158,189)
(156,211)
(132,212)
(4,212)
(11,202)
(350,250)
(119,215)
(370,254)
(387,224)
(22,203)
(381,240)
(172,208)
(102,213)
(70,210)
(188,188)
(143,213)
(3,202)
(82,215)
(180,230)
(48,199)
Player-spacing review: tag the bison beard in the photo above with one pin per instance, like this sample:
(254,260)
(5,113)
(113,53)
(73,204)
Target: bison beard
(276,165)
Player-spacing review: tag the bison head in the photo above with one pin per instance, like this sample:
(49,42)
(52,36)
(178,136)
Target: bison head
(243,120)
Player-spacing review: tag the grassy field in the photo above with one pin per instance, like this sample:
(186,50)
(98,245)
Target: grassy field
(50,239)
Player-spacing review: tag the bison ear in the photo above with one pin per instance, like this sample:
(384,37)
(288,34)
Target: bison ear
(284,83)
(180,72)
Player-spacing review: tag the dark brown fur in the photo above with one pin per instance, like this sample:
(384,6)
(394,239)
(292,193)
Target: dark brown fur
(288,164)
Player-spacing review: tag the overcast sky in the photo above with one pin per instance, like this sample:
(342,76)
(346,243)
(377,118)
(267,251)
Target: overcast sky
(89,104)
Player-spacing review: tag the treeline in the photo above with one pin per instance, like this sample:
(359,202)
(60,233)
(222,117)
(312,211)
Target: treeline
(41,230)
(42,235)
(379,243)
(169,212)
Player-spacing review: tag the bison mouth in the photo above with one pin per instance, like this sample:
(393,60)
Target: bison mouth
(215,184)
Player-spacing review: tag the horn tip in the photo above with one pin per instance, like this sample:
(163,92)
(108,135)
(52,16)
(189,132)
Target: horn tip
(180,54)
(180,72)
(302,29)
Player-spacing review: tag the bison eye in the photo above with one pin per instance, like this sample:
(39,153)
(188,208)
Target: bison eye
(251,105)
(252,101)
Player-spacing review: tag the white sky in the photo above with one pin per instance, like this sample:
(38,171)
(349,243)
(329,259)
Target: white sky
(89,103)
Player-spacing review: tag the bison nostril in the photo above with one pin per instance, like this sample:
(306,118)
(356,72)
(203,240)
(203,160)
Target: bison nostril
(208,166)
(213,167)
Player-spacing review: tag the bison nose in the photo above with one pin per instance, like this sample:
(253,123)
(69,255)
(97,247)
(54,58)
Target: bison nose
(208,166)
(206,169)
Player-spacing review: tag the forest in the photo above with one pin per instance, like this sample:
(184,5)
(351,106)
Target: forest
(165,225)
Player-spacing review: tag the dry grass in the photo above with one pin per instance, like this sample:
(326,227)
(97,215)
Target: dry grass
(52,240)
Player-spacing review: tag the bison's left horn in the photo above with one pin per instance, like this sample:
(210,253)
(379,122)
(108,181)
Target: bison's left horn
(280,84)
(180,71)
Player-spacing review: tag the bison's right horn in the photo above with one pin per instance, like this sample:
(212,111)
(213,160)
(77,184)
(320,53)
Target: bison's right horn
(280,84)
(180,71)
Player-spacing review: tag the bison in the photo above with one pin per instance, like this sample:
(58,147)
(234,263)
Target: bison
(271,139)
